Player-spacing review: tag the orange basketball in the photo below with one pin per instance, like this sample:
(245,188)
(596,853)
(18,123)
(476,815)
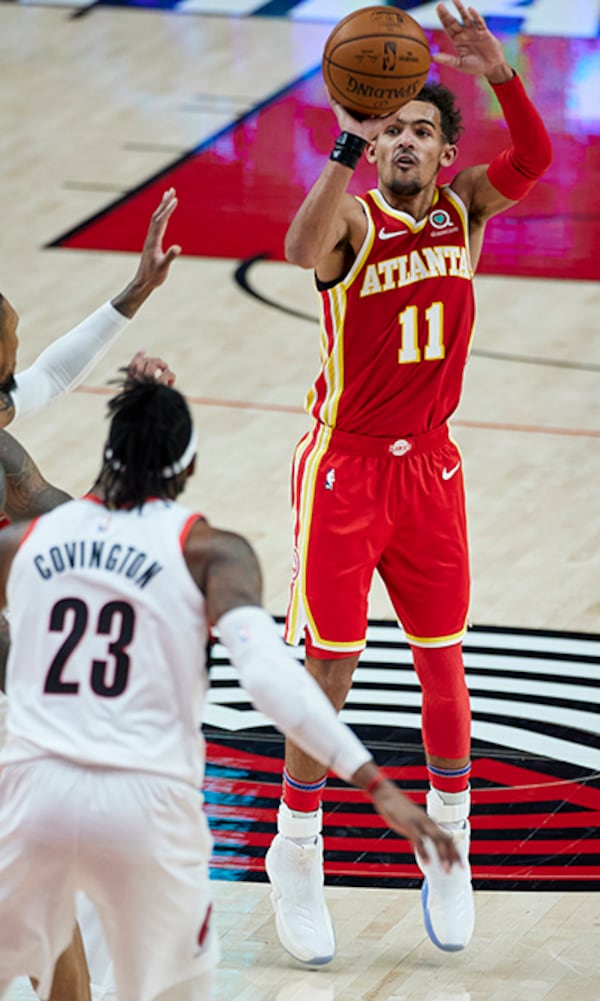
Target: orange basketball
(375,60)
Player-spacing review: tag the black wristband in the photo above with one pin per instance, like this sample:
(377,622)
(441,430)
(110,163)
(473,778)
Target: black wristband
(348,149)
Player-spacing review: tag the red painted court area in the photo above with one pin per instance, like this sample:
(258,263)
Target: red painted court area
(535,781)
(530,829)
(240,190)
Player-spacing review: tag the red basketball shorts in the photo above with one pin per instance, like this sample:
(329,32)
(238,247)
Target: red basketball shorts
(365,504)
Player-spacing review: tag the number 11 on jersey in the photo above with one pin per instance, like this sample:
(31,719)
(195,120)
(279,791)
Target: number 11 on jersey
(410,352)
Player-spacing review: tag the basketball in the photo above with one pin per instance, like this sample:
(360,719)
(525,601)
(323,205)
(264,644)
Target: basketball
(375,60)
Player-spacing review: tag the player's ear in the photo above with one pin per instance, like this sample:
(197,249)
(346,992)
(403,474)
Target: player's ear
(370,153)
(449,154)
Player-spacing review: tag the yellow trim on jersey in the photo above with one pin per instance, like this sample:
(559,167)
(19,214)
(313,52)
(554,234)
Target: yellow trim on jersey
(405,217)
(461,208)
(299,614)
(365,248)
(331,345)
(297,611)
(349,648)
(437,641)
(333,367)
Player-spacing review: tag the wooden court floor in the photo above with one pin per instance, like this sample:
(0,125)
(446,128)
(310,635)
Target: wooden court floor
(90,108)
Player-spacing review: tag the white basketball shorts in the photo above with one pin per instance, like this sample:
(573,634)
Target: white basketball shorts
(137,844)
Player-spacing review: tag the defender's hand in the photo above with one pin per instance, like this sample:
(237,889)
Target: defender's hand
(142,366)
(154,263)
(407,818)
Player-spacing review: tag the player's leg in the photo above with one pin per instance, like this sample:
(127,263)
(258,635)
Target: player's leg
(294,861)
(98,959)
(337,545)
(447,897)
(37,913)
(71,976)
(71,981)
(145,868)
(426,573)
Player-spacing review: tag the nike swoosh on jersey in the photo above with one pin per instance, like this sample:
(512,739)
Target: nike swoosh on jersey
(447,474)
(385,235)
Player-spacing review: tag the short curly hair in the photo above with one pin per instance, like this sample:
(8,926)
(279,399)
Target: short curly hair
(445,101)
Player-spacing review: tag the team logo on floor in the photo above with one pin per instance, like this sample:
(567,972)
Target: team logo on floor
(536,764)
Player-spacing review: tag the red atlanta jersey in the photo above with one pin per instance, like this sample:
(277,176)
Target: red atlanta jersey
(396,331)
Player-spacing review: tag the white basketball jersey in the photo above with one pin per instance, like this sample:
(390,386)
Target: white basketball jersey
(108,641)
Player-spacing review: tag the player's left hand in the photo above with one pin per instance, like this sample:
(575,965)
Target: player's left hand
(477,51)
(142,366)
(155,262)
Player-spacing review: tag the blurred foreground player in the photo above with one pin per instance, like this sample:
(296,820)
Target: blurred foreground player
(25,493)
(110,601)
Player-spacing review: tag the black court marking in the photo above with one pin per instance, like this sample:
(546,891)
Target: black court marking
(242,277)
(536,764)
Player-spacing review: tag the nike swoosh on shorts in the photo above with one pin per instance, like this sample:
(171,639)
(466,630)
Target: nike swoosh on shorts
(447,474)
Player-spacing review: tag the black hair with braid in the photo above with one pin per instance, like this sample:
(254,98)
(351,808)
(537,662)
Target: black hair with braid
(150,427)
(450,114)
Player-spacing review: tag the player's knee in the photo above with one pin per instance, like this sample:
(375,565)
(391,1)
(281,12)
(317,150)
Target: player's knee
(334,677)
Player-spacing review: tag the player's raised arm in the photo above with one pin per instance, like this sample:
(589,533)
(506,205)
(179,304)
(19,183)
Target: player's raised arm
(489,188)
(155,262)
(329,226)
(65,363)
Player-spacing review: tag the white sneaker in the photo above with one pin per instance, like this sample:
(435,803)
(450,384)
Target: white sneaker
(447,897)
(303,923)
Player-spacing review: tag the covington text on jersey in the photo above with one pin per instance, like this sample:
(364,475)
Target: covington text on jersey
(89,555)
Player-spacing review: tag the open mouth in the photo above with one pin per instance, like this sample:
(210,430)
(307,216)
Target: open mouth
(404,161)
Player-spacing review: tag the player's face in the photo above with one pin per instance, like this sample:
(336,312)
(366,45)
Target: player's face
(9,342)
(411,149)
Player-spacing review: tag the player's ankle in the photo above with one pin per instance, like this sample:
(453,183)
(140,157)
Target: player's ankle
(299,826)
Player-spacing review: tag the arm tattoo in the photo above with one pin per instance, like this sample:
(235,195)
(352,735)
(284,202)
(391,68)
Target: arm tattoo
(28,494)
(7,408)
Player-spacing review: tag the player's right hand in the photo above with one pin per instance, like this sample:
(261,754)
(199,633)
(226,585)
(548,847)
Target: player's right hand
(407,818)
(366,128)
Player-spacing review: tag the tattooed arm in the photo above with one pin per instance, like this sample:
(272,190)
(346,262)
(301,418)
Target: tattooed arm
(24,494)
(27,493)
(7,408)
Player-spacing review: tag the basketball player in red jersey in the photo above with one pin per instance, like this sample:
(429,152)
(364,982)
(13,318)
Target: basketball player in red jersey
(377,482)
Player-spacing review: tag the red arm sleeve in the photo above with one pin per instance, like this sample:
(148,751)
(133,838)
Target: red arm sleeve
(515,171)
